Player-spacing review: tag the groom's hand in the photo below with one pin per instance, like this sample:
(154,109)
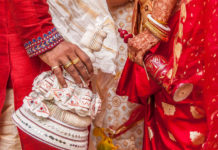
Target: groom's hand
(72,58)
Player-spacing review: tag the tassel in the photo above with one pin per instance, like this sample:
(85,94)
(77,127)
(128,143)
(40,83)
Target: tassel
(93,38)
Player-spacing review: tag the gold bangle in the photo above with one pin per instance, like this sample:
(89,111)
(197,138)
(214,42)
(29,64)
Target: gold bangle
(156,32)
(156,29)
(155,26)
(161,22)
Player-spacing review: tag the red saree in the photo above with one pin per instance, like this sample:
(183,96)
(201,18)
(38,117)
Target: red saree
(192,123)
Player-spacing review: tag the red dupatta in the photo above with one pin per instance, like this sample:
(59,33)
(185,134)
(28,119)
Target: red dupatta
(211,69)
(198,38)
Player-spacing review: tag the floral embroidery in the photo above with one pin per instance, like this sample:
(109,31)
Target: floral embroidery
(42,44)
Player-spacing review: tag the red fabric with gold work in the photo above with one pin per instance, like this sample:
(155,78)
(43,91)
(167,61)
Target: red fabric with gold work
(21,21)
(192,123)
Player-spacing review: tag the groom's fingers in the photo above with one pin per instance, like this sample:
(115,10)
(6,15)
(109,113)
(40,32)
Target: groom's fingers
(71,69)
(81,68)
(85,60)
(58,73)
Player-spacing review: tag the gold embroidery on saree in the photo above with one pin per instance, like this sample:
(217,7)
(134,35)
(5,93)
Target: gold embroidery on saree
(197,138)
(168,109)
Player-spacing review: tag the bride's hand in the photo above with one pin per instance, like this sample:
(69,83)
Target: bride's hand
(139,45)
(74,60)
(115,3)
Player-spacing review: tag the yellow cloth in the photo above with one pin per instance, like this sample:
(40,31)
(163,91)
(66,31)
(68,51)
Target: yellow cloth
(9,138)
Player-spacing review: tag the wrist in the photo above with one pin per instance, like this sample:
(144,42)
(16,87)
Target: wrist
(146,40)
(162,10)
(116,3)
(43,43)
(161,19)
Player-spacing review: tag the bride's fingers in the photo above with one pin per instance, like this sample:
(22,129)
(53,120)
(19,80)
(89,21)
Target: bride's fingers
(131,54)
(139,58)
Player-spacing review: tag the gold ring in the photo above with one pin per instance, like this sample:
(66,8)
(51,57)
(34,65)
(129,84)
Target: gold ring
(53,68)
(130,56)
(76,60)
(68,65)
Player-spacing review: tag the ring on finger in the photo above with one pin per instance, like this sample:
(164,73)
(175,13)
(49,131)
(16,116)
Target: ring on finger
(53,68)
(130,56)
(68,65)
(76,60)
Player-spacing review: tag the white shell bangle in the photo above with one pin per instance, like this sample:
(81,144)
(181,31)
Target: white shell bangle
(158,24)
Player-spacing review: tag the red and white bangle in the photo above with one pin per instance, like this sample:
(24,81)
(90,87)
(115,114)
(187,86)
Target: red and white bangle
(157,29)
(165,28)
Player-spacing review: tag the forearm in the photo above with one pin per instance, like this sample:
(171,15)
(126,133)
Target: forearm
(115,3)
(34,25)
(161,12)
(152,34)
(162,9)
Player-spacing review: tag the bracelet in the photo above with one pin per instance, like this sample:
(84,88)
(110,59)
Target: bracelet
(156,31)
(160,29)
(158,24)
(161,22)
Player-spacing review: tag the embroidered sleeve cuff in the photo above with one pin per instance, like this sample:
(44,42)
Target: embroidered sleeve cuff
(44,43)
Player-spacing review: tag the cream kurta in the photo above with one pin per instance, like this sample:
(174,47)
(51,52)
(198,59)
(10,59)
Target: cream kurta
(116,109)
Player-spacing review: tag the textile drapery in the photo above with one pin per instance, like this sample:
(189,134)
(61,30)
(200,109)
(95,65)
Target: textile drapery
(189,124)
